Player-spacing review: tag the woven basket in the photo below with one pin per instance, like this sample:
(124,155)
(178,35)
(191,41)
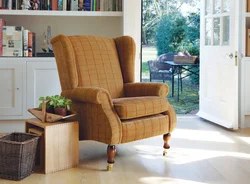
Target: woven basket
(17,155)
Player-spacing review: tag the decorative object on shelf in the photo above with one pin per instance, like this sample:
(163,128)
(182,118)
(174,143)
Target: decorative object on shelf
(46,45)
(49,36)
(44,42)
(26,5)
(35,4)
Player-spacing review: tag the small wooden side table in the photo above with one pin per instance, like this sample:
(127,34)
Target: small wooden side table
(58,147)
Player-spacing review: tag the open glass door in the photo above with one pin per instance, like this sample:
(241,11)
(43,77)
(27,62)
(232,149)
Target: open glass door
(218,62)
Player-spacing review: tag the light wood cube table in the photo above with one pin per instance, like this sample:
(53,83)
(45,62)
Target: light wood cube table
(58,147)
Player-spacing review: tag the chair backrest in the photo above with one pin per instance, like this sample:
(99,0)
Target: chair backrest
(151,66)
(91,61)
(155,66)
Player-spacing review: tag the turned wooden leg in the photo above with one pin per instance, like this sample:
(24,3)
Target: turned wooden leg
(166,146)
(111,151)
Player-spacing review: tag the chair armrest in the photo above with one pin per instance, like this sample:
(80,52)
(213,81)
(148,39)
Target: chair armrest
(172,118)
(145,89)
(87,94)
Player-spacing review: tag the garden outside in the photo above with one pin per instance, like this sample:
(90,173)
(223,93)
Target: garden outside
(189,97)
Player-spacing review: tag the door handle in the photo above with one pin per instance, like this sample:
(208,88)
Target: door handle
(231,55)
(236,58)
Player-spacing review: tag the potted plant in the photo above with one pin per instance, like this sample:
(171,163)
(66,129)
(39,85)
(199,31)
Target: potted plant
(56,104)
(49,108)
(60,104)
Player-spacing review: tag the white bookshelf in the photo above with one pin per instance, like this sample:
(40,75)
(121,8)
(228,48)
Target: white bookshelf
(62,13)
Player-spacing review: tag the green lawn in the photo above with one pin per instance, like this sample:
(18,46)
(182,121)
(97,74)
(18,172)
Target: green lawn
(189,97)
(148,53)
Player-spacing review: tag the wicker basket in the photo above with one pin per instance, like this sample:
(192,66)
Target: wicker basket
(17,155)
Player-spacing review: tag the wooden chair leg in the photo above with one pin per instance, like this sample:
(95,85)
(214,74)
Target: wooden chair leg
(166,146)
(111,151)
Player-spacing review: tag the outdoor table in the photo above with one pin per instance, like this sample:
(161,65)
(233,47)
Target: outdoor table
(181,70)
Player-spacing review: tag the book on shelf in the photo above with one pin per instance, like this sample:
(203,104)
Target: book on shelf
(31,44)
(87,5)
(63,5)
(25,42)
(12,41)
(16,41)
(2,23)
(248,5)
(248,42)
(54,4)
(74,5)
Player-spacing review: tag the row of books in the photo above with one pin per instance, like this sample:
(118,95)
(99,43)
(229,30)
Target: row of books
(16,41)
(63,5)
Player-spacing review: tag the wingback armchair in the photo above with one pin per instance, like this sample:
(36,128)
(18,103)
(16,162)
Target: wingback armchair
(97,74)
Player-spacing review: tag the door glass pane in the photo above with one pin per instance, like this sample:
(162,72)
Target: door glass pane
(216,31)
(216,6)
(208,7)
(208,30)
(226,30)
(226,6)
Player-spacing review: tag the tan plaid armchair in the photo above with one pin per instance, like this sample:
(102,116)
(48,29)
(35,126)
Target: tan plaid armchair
(97,73)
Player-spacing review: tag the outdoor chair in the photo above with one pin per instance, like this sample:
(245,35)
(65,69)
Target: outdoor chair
(158,70)
(97,74)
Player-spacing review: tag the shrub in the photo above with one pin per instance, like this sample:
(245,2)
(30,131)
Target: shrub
(170,33)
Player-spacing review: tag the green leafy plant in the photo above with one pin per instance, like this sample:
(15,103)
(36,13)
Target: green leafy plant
(56,101)
(60,101)
(41,99)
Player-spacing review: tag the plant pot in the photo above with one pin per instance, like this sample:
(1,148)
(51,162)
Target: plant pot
(61,111)
(50,110)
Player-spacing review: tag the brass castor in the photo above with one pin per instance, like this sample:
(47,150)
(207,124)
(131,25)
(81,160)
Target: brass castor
(109,167)
(166,146)
(111,151)
(165,152)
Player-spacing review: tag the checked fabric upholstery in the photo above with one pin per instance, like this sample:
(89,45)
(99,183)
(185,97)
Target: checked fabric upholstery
(97,73)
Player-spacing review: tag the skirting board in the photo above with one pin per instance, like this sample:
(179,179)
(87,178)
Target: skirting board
(12,126)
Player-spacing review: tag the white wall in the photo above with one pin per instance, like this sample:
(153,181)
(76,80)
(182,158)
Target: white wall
(8,126)
(132,27)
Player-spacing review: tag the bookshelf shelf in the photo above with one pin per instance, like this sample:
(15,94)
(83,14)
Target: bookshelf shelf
(62,13)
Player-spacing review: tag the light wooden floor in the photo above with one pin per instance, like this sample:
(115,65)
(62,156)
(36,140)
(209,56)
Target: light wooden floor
(201,153)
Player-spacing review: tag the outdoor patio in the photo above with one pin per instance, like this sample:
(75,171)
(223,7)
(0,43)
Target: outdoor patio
(189,97)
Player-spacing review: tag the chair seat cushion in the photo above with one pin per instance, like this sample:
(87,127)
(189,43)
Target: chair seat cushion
(144,127)
(133,107)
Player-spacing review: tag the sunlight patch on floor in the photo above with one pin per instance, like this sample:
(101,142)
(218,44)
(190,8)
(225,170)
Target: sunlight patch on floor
(163,180)
(245,139)
(201,135)
(184,156)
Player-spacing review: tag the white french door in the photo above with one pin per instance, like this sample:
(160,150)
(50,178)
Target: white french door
(219,62)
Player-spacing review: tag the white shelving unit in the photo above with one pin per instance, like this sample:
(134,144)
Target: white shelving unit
(62,13)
